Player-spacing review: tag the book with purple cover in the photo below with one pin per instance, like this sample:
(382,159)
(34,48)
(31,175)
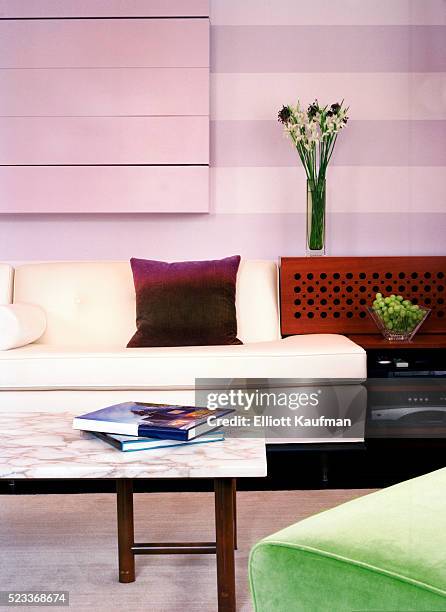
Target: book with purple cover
(150,420)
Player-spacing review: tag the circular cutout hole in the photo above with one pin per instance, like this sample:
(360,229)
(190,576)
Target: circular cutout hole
(296,289)
(310,302)
(414,288)
(297,302)
(349,289)
(323,275)
(336,315)
(414,275)
(336,275)
(297,276)
(363,315)
(310,289)
(389,288)
(349,275)
(310,315)
(427,287)
(323,315)
(310,276)
(440,274)
(297,315)
(362,275)
(401,275)
(388,275)
(362,288)
(349,314)
(427,275)
(323,301)
(336,289)
(323,289)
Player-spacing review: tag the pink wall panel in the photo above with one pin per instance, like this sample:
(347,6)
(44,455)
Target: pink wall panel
(104,189)
(104,140)
(102,92)
(96,43)
(103,8)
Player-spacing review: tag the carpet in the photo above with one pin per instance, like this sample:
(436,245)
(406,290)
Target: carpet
(68,542)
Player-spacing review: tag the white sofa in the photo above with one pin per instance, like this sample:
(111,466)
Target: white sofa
(90,312)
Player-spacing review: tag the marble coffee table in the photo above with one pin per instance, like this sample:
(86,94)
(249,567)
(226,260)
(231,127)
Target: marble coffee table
(43,445)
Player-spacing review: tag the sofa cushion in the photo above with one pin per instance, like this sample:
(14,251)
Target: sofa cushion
(383,551)
(20,324)
(310,356)
(6,283)
(186,303)
(93,303)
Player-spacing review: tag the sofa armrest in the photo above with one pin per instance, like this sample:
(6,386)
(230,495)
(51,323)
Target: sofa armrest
(20,324)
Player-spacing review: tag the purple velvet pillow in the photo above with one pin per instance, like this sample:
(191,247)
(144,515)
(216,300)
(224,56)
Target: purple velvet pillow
(187,303)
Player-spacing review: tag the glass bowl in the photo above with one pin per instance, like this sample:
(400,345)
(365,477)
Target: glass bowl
(404,330)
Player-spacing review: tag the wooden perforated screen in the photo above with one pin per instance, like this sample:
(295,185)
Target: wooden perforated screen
(330,294)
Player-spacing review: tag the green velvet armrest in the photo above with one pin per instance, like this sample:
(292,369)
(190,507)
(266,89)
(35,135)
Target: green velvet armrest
(384,551)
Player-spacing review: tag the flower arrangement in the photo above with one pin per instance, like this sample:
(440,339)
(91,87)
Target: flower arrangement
(314,132)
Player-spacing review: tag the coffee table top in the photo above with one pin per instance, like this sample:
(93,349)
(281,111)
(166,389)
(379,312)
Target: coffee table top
(44,445)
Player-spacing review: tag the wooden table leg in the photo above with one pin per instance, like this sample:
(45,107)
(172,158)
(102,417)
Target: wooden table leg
(224,530)
(124,490)
(234,501)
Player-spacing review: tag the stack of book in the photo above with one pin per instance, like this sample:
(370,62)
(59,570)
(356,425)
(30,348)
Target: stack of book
(133,426)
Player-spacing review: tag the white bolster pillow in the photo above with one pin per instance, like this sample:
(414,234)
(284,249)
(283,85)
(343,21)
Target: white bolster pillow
(20,324)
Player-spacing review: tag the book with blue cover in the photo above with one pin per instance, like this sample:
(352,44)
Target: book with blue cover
(137,443)
(146,419)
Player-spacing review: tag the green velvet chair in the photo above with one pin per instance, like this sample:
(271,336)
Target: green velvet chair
(384,551)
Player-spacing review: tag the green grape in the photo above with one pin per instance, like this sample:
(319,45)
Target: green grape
(397,313)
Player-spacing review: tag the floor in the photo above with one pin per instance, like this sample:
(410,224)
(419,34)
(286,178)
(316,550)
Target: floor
(67,542)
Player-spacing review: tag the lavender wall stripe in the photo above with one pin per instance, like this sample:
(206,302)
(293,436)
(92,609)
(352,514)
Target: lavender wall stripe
(402,95)
(351,189)
(328,48)
(322,12)
(365,143)
(254,236)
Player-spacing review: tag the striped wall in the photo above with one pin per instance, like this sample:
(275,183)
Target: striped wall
(386,184)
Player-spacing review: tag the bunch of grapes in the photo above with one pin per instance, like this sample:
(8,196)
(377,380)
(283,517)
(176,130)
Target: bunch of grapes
(398,314)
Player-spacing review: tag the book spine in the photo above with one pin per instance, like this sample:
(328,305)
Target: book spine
(163,434)
(107,439)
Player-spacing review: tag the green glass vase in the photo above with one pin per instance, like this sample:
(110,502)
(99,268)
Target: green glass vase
(315,218)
